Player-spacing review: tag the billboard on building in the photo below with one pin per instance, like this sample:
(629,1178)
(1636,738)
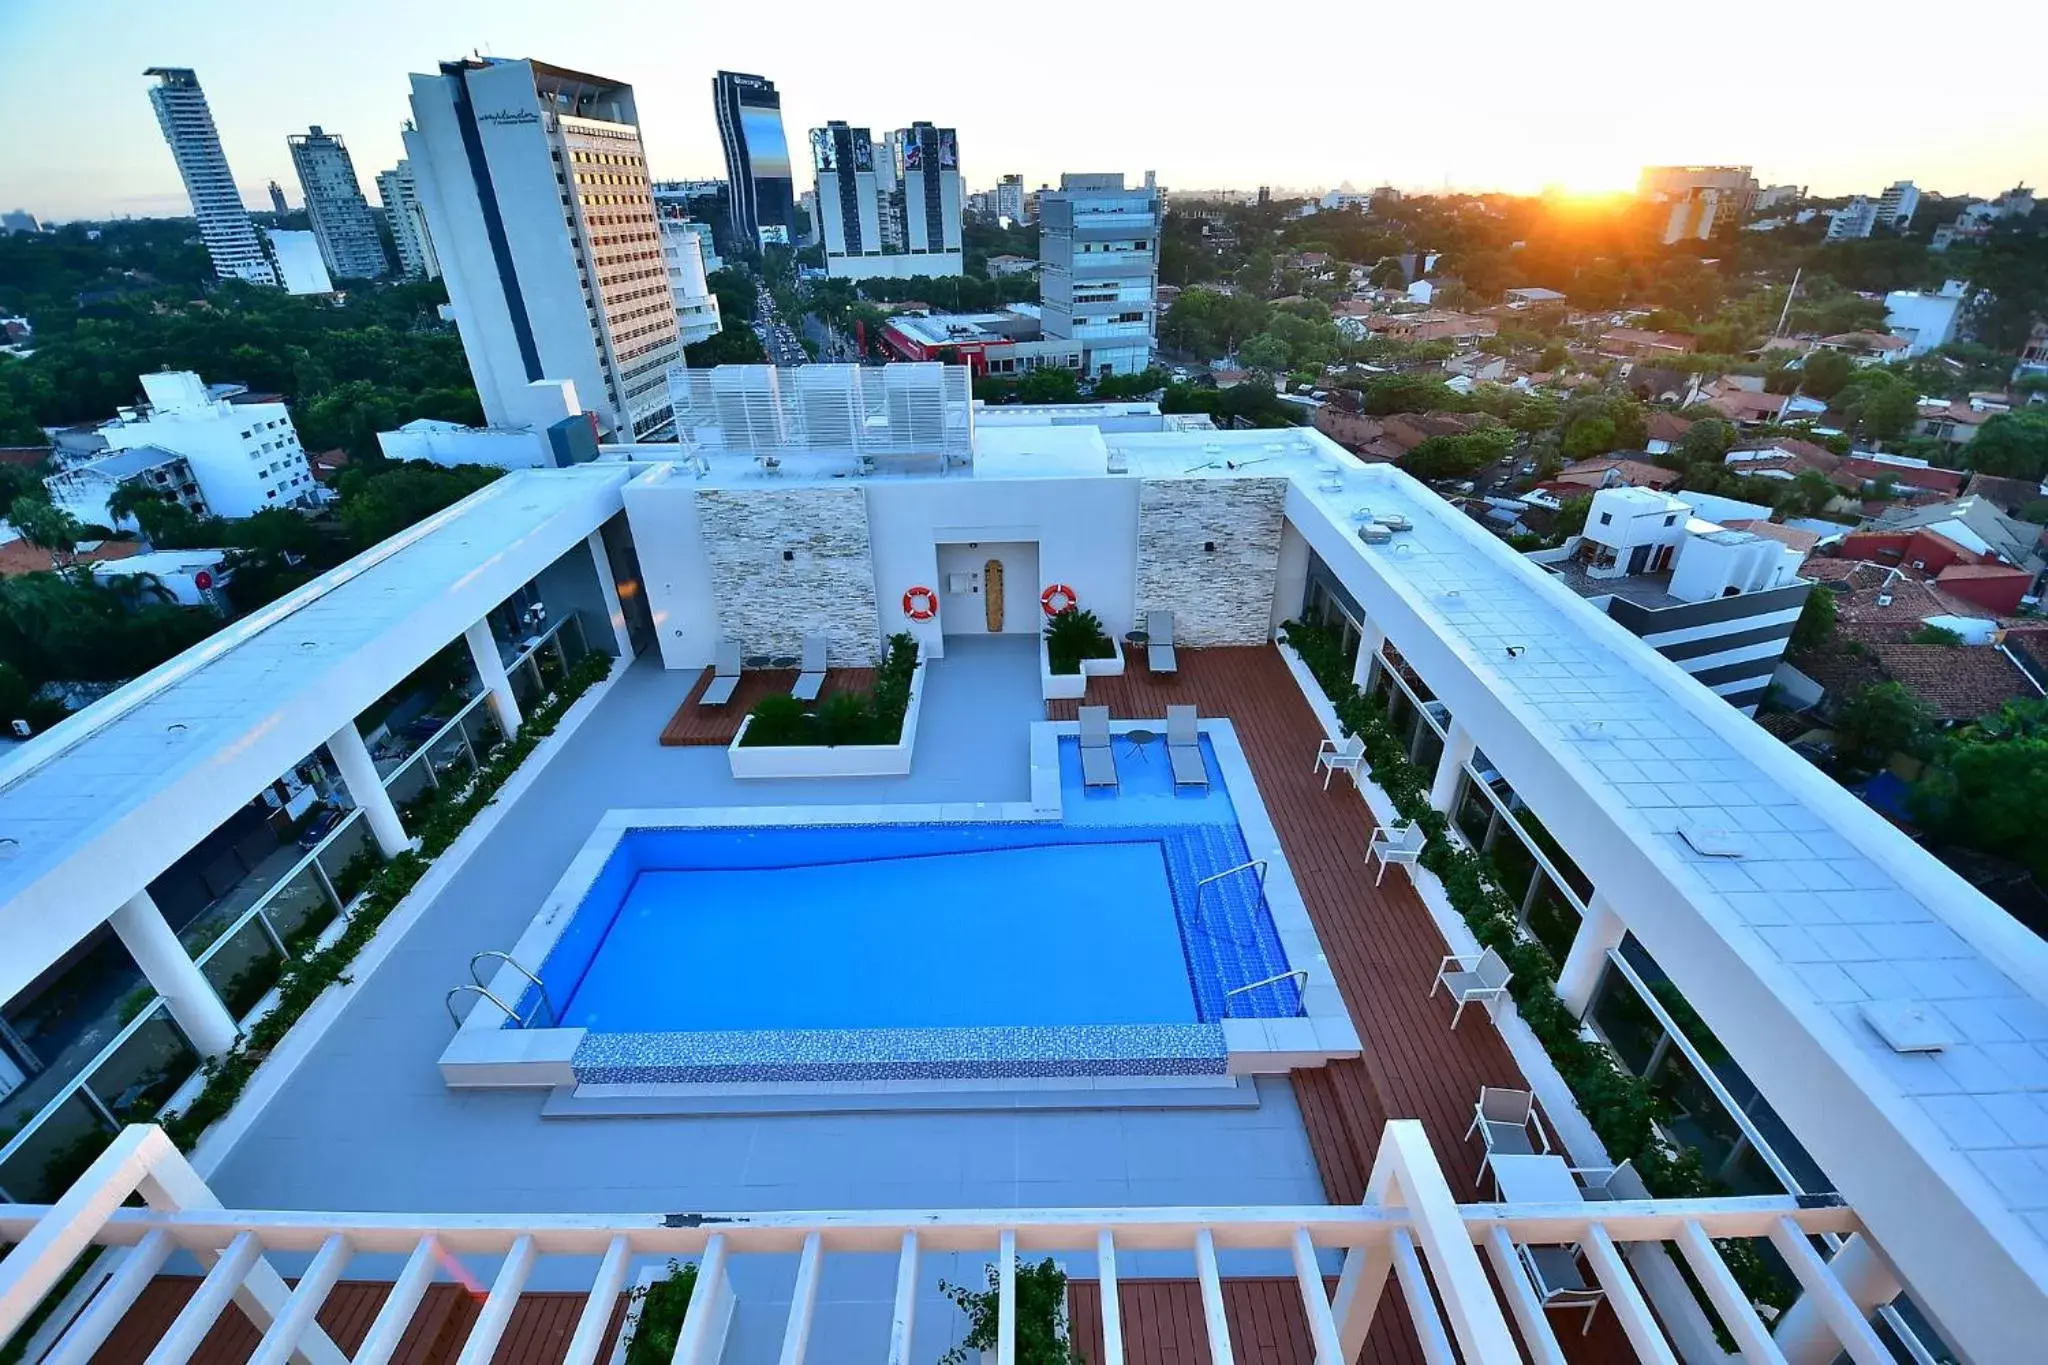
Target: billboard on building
(824,156)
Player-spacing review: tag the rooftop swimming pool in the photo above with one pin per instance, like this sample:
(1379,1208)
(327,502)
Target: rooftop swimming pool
(1089,945)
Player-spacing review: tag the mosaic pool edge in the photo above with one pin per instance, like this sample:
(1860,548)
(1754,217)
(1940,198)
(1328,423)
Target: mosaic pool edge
(901,1054)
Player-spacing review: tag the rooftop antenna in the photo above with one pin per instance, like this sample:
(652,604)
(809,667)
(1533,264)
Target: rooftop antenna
(1790,294)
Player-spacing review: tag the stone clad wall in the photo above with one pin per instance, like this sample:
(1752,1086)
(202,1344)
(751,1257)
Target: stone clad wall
(826,586)
(1222,596)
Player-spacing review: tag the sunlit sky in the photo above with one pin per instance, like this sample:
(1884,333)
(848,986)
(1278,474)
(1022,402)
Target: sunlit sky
(1484,95)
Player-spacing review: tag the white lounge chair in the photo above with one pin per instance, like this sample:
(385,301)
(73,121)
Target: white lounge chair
(813,676)
(725,674)
(1483,978)
(1507,1122)
(1335,756)
(1399,843)
(1098,764)
(1184,747)
(1159,642)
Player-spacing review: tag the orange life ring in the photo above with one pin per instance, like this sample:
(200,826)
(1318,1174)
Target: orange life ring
(1060,593)
(920,604)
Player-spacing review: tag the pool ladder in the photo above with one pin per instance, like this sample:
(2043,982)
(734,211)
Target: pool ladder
(476,986)
(1300,990)
(1202,888)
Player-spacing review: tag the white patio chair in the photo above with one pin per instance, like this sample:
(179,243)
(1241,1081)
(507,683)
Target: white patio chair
(1611,1182)
(1159,656)
(1483,978)
(1184,747)
(1507,1123)
(725,674)
(812,678)
(1400,843)
(1559,1282)
(1098,764)
(1335,756)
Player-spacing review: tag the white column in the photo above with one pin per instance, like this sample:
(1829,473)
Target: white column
(149,939)
(1458,747)
(490,669)
(359,772)
(1803,1333)
(1599,931)
(608,589)
(1372,638)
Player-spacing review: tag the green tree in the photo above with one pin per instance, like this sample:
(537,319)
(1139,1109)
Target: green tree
(1825,372)
(1048,384)
(1881,405)
(1816,623)
(1877,721)
(1388,274)
(377,505)
(2011,444)
(1706,441)
(1570,519)
(1390,393)
(736,345)
(48,528)
(1988,785)
(1456,457)
(1588,436)
(1265,352)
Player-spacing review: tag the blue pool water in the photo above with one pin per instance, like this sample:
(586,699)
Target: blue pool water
(1058,939)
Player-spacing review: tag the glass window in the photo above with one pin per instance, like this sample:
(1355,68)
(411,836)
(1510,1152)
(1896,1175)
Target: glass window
(1553,919)
(1625,1021)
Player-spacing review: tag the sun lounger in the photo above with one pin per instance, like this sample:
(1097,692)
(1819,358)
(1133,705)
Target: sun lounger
(1184,747)
(813,677)
(725,674)
(1159,642)
(1098,764)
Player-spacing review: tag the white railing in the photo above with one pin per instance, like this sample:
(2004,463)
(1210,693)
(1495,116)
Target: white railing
(1408,1231)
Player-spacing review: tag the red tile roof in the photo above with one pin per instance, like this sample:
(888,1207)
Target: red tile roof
(20,557)
(1960,682)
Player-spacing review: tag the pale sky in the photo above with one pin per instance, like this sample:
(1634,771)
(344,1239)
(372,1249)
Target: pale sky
(1483,95)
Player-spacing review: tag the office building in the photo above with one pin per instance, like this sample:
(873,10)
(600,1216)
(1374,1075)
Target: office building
(301,265)
(1897,205)
(683,244)
(807,203)
(535,186)
(891,211)
(1699,201)
(334,201)
(1099,273)
(705,202)
(19,220)
(277,203)
(1766,1078)
(760,189)
(187,123)
(1010,198)
(399,192)
(1853,221)
(243,450)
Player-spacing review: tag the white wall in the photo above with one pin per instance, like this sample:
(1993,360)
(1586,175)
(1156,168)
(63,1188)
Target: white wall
(469,445)
(967,613)
(1086,531)
(236,474)
(675,568)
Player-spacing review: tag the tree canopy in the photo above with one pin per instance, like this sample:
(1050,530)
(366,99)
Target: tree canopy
(2013,445)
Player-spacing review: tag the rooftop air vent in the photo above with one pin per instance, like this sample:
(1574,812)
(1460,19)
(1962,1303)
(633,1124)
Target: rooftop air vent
(1394,521)
(1712,842)
(1884,599)
(1906,1025)
(1372,533)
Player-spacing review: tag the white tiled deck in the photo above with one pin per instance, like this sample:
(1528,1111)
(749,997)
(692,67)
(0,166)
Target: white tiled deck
(367,1123)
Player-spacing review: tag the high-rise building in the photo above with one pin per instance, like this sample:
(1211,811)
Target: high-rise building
(1853,220)
(687,253)
(187,123)
(334,201)
(1703,200)
(807,203)
(243,449)
(1010,198)
(757,167)
(277,203)
(301,265)
(399,192)
(19,220)
(534,182)
(895,214)
(1098,250)
(1897,205)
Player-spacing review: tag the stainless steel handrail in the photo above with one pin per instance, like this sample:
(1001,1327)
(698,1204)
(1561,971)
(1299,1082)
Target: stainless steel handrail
(1301,1003)
(514,964)
(448,1000)
(1203,885)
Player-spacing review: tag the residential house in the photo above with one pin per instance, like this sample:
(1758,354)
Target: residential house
(999,266)
(1616,471)
(1956,422)
(1430,325)
(1927,555)
(1478,366)
(1878,348)
(1742,400)
(2010,496)
(1977,525)
(1529,298)
(1633,343)
(1863,470)
(17,556)
(1782,457)
(1666,430)
(85,490)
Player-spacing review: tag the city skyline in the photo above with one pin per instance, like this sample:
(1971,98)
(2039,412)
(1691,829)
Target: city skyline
(1194,133)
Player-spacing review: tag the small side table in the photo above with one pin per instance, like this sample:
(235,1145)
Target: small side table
(756,661)
(1137,740)
(1137,639)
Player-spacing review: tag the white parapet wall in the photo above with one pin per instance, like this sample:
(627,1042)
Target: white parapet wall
(832,760)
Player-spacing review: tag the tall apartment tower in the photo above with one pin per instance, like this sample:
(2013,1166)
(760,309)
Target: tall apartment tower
(277,203)
(334,201)
(1010,198)
(1702,200)
(848,197)
(1098,249)
(1897,205)
(534,182)
(892,212)
(399,192)
(929,195)
(757,168)
(224,225)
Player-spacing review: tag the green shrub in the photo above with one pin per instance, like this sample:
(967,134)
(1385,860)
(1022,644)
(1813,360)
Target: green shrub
(662,1306)
(1074,635)
(873,717)
(847,718)
(777,719)
(1041,1297)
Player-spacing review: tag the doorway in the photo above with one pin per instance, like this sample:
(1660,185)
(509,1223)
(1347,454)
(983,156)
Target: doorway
(988,587)
(992,595)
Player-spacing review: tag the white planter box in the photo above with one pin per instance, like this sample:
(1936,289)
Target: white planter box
(837,760)
(1070,686)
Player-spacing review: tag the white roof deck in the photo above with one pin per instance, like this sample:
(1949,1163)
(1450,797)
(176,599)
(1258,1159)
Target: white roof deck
(93,810)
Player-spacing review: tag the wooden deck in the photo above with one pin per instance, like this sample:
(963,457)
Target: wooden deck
(538,1333)
(694,724)
(1384,949)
